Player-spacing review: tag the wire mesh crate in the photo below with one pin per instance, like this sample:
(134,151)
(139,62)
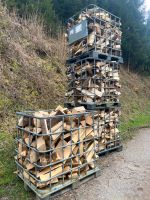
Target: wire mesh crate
(108,137)
(93,81)
(54,148)
(94,29)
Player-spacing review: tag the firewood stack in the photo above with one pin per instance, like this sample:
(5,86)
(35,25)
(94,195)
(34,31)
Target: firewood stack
(57,146)
(108,136)
(99,30)
(93,79)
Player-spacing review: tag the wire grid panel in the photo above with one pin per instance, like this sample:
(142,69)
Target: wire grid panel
(108,136)
(54,147)
(104,32)
(93,81)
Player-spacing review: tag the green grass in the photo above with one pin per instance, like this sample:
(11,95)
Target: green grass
(10,186)
(128,128)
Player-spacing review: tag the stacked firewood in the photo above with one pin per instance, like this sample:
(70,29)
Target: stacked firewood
(56,146)
(108,129)
(103,32)
(92,80)
(61,145)
(93,77)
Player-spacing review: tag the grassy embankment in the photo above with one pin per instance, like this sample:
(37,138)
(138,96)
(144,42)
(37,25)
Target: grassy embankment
(135,103)
(32,76)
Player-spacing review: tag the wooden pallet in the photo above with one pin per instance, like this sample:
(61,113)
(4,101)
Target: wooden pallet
(61,188)
(96,55)
(69,105)
(94,106)
(98,106)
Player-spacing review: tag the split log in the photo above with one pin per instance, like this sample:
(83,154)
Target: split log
(23,121)
(41,145)
(78,110)
(54,173)
(33,156)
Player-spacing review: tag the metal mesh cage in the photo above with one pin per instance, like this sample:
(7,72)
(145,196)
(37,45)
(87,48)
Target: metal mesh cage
(55,147)
(93,81)
(108,137)
(101,32)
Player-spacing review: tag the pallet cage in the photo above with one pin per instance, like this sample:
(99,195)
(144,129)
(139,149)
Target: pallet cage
(93,82)
(94,29)
(55,148)
(108,137)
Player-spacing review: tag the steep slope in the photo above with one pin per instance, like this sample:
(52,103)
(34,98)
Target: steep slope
(31,67)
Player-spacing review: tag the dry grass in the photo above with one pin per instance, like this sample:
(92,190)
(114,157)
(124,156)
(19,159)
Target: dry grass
(31,66)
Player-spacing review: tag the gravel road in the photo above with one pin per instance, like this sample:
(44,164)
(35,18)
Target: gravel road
(125,175)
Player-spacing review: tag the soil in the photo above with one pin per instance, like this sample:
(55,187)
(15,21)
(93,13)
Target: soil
(124,175)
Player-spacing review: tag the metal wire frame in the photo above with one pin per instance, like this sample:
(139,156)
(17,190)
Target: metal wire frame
(101,40)
(48,152)
(103,125)
(78,74)
(58,189)
(111,143)
(94,8)
(80,64)
(107,99)
(103,47)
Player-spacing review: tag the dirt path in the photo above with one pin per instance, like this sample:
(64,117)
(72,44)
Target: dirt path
(125,175)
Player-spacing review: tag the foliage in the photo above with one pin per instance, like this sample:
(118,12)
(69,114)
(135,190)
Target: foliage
(67,8)
(136,31)
(135,38)
(43,8)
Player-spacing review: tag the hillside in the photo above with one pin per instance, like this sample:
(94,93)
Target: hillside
(31,67)
(135,101)
(32,76)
